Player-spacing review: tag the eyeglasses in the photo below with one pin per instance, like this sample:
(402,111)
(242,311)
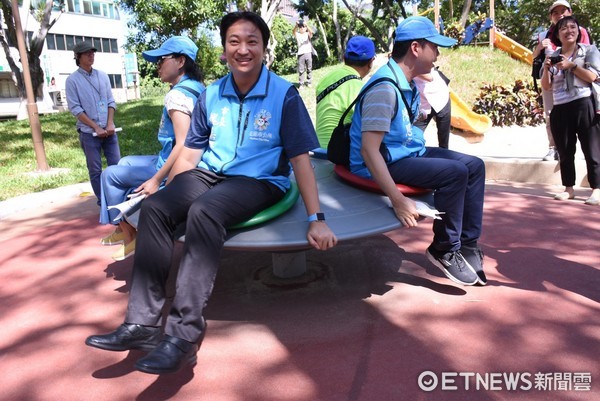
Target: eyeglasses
(163,58)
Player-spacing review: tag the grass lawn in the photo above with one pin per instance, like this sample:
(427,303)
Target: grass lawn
(467,67)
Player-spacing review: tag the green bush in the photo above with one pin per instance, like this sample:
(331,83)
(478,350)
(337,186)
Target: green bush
(286,60)
(152,87)
(209,58)
(521,105)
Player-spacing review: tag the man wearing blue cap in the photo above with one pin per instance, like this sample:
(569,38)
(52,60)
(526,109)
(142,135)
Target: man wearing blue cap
(144,175)
(339,87)
(386,147)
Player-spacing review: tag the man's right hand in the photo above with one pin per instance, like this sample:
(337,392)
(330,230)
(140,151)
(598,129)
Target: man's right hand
(406,211)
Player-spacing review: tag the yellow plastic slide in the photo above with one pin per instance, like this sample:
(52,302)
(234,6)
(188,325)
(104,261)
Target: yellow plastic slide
(513,48)
(466,119)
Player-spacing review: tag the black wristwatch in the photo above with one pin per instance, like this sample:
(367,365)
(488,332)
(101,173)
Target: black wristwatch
(316,217)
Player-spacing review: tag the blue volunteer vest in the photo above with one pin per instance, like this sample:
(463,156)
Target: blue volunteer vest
(166,132)
(245,137)
(403,140)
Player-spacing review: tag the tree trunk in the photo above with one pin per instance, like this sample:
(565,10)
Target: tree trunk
(324,35)
(465,13)
(268,10)
(338,33)
(34,50)
(378,38)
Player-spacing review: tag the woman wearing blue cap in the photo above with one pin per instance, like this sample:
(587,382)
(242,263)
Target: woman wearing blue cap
(386,147)
(144,175)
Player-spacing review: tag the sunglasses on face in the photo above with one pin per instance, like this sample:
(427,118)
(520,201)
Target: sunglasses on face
(161,59)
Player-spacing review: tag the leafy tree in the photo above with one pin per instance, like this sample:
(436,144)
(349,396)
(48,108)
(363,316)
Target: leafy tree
(358,10)
(519,19)
(154,21)
(42,11)
(281,33)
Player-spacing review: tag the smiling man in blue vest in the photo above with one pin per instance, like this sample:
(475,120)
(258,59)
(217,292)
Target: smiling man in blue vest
(246,130)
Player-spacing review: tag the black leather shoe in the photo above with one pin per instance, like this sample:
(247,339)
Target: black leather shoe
(170,355)
(126,337)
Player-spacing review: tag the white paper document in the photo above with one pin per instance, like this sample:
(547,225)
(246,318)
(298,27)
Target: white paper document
(424,210)
(126,206)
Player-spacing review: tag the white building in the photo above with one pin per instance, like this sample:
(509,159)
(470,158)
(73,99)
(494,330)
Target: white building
(96,21)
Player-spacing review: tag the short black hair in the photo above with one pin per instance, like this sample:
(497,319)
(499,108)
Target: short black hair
(356,63)
(561,22)
(401,48)
(250,16)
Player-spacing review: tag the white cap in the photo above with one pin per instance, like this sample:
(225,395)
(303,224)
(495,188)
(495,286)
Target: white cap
(560,3)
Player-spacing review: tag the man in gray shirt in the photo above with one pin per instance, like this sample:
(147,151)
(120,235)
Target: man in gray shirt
(386,147)
(90,99)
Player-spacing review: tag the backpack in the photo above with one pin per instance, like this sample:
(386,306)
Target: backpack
(537,64)
(338,148)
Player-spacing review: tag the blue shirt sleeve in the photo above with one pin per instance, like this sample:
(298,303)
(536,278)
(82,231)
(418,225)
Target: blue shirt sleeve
(297,130)
(199,132)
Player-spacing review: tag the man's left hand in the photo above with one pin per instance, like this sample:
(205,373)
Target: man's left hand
(320,236)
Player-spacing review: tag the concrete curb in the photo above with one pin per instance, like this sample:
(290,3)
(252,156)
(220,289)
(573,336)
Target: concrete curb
(531,171)
(40,199)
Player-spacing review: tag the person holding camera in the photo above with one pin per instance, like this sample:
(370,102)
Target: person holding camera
(558,10)
(303,35)
(572,74)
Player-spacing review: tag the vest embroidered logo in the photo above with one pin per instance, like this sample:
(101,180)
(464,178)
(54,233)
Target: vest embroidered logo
(261,120)
(219,121)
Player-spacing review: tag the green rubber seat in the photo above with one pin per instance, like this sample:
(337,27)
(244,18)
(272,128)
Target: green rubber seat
(288,200)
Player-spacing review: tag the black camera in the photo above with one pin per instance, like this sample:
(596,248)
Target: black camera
(555,59)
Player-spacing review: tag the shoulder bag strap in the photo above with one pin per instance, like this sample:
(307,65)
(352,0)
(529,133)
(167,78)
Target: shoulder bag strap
(334,85)
(369,86)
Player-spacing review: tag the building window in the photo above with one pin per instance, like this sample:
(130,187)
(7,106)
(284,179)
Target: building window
(8,89)
(74,6)
(67,42)
(70,39)
(96,9)
(115,81)
(50,41)
(105,9)
(97,43)
(60,42)
(87,7)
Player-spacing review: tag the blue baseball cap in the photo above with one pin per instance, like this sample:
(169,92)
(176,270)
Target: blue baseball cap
(414,28)
(173,45)
(359,48)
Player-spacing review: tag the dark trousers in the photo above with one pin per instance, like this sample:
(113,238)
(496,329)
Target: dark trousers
(458,181)
(92,148)
(570,121)
(442,121)
(207,203)
(305,65)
